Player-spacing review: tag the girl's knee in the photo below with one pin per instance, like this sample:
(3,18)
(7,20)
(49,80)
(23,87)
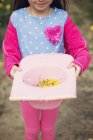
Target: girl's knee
(32,131)
(48,133)
(47,130)
(31,134)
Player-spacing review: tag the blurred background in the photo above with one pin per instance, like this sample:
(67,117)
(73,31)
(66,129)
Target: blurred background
(76,116)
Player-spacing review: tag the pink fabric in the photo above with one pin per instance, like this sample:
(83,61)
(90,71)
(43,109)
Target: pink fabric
(54,34)
(74,43)
(10,49)
(36,120)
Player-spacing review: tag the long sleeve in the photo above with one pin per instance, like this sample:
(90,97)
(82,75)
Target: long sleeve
(10,48)
(76,45)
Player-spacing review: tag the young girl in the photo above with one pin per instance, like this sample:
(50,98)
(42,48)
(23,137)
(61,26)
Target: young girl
(36,27)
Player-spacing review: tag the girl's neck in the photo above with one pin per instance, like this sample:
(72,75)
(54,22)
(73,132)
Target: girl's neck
(36,13)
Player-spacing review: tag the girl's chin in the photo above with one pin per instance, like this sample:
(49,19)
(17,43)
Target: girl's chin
(40,7)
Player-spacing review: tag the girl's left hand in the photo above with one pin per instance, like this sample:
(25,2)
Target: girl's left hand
(77,68)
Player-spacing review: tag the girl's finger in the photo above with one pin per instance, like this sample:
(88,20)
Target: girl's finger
(12,72)
(14,69)
(71,65)
(77,68)
(77,72)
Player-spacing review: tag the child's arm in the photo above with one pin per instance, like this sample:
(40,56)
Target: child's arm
(76,45)
(10,48)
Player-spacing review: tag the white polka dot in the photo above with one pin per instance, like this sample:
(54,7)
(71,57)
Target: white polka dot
(21,11)
(15,14)
(47,48)
(59,12)
(57,46)
(36,37)
(16,24)
(26,47)
(41,22)
(25,36)
(55,17)
(30,42)
(20,19)
(42,42)
(49,15)
(30,22)
(22,50)
(41,33)
(36,48)
(51,23)
(30,32)
(35,28)
(31,52)
(60,21)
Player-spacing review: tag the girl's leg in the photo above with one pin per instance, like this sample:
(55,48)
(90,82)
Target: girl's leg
(48,122)
(31,120)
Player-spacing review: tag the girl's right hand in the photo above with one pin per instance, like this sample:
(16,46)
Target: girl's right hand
(14,69)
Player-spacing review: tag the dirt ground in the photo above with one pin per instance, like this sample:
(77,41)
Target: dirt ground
(75,118)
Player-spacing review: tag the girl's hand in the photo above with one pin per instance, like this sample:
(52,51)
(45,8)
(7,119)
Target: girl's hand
(77,68)
(14,69)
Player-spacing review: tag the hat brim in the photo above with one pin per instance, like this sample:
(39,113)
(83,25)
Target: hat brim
(65,90)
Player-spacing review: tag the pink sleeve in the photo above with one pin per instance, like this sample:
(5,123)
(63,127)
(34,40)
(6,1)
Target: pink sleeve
(76,45)
(10,48)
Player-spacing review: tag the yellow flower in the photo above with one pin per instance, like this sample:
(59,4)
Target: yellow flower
(91,27)
(48,83)
(1,64)
(1,5)
(8,6)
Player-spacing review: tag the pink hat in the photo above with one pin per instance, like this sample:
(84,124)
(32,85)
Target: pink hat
(42,68)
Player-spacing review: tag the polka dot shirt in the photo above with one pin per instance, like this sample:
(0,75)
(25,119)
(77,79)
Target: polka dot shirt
(31,31)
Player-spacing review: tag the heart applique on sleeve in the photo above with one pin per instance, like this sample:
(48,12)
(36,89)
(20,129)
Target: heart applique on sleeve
(53,34)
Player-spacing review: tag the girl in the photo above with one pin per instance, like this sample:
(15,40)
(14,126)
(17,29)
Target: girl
(35,27)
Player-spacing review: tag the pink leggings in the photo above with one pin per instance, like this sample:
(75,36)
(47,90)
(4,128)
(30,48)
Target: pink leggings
(36,120)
